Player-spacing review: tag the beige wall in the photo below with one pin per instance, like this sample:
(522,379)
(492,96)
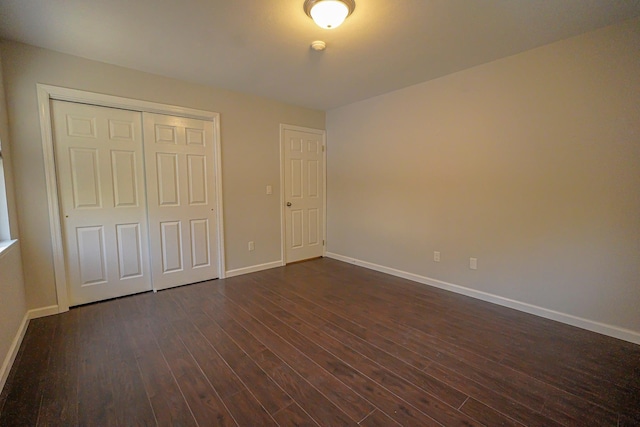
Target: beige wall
(250,152)
(13,306)
(530,163)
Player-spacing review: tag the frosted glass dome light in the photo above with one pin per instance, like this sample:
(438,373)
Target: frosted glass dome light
(329,14)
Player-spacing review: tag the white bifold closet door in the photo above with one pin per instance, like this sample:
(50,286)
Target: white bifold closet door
(137,198)
(181,200)
(99,163)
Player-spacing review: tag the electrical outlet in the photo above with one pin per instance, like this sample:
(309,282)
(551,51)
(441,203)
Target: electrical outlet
(252,245)
(436,256)
(473,263)
(269,189)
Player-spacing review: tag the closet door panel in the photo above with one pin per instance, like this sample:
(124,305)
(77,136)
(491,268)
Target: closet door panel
(99,165)
(179,155)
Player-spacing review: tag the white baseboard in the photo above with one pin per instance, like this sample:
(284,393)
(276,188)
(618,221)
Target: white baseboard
(43,312)
(590,325)
(13,350)
(253,269)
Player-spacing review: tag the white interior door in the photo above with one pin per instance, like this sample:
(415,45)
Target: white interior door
(179,157)
(99,162)
(304,193)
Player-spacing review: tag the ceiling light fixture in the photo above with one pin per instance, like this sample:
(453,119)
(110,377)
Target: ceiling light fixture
(329,13)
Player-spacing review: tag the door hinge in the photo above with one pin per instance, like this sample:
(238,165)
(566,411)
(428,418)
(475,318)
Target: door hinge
(323,148)
(323,243)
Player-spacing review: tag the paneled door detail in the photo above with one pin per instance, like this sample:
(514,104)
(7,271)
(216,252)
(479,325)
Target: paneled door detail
(304,194)
(179,157)
(100,173)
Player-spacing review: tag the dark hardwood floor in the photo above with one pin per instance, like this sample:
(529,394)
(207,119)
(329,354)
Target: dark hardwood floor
(320,343)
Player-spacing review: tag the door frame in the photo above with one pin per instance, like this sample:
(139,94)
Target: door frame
(46,93)
(283,218)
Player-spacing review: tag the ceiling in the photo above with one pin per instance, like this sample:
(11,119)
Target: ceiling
(262,46)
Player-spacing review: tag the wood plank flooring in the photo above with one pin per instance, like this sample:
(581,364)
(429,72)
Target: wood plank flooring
(320,343)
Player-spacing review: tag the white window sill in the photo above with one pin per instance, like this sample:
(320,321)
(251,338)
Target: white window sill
(6,245)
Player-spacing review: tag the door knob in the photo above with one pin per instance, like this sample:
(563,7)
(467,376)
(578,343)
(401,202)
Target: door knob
(288,203)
